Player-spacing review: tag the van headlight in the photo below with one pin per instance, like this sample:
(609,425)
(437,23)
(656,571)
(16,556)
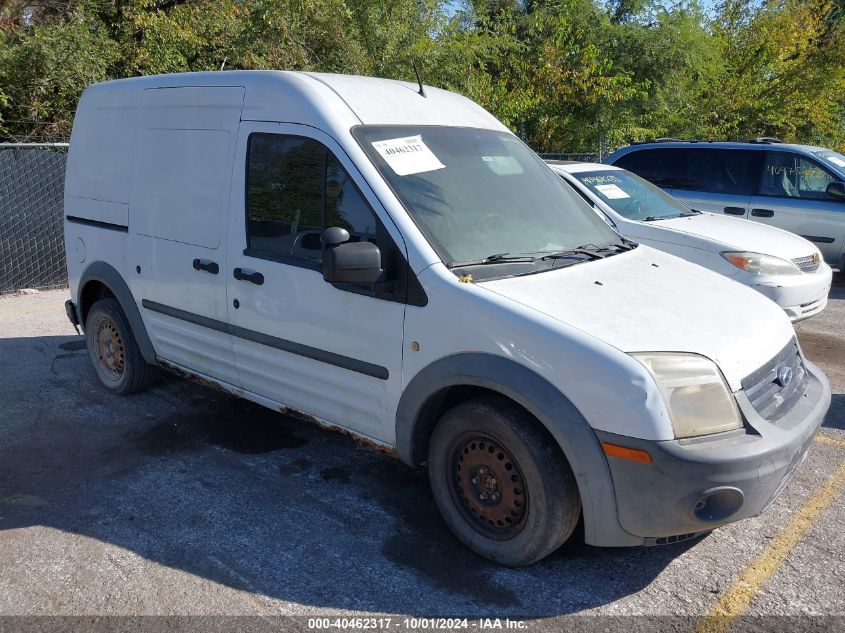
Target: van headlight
(694,391)
(759,264)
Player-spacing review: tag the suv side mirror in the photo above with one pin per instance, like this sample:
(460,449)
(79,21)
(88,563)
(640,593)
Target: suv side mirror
(836,189)
(347,262)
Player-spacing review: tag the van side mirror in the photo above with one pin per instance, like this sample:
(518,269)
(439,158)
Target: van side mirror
(836,189)
(346,262)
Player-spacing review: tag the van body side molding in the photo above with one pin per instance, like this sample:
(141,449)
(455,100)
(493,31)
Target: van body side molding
(314,353)
(97,223)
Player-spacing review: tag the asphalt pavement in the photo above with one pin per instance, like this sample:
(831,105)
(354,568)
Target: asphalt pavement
(185,501)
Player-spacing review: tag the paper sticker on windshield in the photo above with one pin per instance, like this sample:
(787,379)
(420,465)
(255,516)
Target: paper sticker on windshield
(836,161)
(612,192)
(408,155)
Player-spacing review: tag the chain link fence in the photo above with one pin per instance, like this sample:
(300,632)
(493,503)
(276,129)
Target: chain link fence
(32,249)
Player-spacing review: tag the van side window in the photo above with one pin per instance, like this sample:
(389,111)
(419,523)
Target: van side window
(296,188)
(788,175)
(284,200)
(718,171)
(345,206)
(659,166)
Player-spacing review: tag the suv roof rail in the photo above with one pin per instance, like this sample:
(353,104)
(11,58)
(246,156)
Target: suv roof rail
(662,139)
(765,139)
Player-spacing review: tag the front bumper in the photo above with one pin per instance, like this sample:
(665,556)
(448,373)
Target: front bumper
(698,484)
(800,296)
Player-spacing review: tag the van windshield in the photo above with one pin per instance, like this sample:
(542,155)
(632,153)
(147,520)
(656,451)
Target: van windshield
(833,158)
(483,199)
(631,196)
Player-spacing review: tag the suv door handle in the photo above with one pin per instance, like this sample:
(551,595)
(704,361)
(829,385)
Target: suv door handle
(762,213)
(207,265)
(251,276)
(734,210)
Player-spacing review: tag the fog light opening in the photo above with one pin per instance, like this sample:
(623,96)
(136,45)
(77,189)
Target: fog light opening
(717,504)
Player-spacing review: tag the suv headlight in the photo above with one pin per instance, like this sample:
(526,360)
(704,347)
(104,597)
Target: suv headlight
(759,264)
(694,391)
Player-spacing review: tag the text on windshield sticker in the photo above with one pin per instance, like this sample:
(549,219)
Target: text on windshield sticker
(611,192)
(409,155)
(597,180)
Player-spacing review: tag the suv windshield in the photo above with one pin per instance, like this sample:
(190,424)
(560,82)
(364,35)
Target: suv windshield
(482,198)
(631,196)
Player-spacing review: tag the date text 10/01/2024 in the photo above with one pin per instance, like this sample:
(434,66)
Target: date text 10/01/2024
(375,623)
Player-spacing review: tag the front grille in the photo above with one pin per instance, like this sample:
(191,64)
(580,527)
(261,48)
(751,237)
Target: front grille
(667,540)
(806,308)
(808,264)
(769,396)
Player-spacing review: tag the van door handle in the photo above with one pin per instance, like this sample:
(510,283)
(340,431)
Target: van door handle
(207,265)
(734,210)
(251,276)
(762,213)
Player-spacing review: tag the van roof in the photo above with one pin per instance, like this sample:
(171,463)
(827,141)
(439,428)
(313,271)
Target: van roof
(322,99)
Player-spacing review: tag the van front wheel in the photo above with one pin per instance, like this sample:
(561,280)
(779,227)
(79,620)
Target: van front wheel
(501,482)
(115,354)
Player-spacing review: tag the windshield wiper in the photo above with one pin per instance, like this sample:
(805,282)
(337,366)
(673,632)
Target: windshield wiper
(589,250)
(625,245)
(498,258)
(682,214)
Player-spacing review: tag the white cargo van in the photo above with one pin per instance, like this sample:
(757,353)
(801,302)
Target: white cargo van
(391,261)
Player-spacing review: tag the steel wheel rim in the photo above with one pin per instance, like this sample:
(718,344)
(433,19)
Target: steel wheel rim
(109,347)
(488,487)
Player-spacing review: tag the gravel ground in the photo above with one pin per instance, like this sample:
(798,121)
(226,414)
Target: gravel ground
(184,501)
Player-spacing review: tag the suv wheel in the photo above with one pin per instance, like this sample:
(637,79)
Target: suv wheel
(113,351)
(501,482)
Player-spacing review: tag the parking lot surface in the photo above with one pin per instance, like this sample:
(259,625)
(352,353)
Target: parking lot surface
(186,501)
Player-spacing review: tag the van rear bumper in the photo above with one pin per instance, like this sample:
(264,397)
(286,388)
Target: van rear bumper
(698,484)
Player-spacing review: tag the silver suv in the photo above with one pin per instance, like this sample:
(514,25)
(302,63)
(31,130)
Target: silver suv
(799,188)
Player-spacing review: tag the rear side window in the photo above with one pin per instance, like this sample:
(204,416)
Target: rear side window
(718,171)
(788,175)
(296,188)
(694,168)
(655,165)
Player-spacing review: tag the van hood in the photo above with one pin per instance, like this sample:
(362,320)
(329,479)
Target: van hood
(648,301)
(741,235)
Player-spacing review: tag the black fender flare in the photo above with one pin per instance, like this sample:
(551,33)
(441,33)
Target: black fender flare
(113,280)
(544,401)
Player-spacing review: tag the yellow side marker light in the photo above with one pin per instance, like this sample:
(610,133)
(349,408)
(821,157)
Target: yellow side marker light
(623,452)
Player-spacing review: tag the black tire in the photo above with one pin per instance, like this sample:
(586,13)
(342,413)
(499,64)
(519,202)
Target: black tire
(113,350)
(532,505)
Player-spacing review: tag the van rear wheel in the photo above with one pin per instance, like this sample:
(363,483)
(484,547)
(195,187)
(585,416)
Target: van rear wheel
(113,351)
(501,482)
